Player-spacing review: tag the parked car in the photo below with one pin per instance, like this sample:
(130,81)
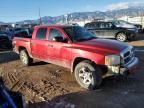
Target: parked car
(23,32)
(5,40)
(113,30)
(127,24)
(75,48)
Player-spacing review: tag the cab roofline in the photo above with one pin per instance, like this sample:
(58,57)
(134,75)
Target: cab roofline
(56,25)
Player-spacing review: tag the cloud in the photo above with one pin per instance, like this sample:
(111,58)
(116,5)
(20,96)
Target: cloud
(124,5)
(118,6)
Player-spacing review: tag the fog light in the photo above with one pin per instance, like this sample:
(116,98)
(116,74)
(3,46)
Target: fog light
(114,69)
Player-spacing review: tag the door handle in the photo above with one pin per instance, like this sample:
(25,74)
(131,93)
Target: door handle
(50,46)
(33,43)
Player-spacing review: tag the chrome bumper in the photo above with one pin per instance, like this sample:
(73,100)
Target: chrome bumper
(126,69)
(131,67)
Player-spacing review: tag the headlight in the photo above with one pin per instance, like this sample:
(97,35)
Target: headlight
(134,30)
(112,60)
(131,29)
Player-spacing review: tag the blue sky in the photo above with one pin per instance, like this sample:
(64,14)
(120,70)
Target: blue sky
(17,10)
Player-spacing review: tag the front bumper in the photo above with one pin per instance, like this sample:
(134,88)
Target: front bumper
(132,35)
(126,69)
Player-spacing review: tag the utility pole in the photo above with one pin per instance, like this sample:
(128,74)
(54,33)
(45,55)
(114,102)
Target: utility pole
(142,16)
(40,23)
(66,19)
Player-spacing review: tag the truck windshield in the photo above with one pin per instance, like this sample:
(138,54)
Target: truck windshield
(78,34)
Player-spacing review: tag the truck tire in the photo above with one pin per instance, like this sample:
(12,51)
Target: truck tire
(121,37)
(25,58)
(87,75)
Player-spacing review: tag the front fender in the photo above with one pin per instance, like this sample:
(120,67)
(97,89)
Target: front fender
(97,58)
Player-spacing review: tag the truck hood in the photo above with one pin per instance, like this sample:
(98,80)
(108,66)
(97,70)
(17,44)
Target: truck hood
(104,45)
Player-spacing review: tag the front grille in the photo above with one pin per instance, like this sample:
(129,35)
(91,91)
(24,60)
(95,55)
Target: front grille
(127,60)
(127,55)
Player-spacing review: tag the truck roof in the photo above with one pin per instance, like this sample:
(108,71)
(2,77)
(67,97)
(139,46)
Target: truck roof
(58,26)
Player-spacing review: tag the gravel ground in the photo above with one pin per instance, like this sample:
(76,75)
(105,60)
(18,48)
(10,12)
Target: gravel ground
(49,86)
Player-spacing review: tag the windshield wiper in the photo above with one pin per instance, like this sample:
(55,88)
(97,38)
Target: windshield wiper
(91,38)
(81,39)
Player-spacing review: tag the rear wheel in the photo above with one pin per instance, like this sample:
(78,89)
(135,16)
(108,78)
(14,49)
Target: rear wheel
(25,59)
(88,75)
(121,37)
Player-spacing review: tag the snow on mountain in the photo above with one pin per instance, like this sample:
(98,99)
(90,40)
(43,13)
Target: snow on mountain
(125,5)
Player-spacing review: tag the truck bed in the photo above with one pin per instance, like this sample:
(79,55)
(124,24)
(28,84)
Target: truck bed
(20,42)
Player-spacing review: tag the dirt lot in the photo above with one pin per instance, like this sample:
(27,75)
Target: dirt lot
(46,85)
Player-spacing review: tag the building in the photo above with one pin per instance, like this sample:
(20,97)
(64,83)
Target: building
(135,20)
(80,23)
(5,27)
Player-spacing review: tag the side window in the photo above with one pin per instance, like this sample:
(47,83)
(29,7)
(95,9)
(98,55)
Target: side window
(102,25)
(54,33)
(108,25)
(97,25)
(89,25)
(105,25)
(41,33)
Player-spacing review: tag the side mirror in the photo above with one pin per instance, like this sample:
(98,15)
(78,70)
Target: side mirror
(58,39)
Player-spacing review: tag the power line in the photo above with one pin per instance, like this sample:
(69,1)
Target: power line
(40,17)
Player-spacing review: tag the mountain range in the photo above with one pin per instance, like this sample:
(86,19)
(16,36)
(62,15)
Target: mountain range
(81,16)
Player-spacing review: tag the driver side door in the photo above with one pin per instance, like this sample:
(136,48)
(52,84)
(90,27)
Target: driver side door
(59,52)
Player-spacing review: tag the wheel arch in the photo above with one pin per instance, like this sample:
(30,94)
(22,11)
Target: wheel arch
(120,32)
(78,60)
(23,48)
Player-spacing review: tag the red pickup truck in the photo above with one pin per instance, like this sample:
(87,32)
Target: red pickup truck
(73,47)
